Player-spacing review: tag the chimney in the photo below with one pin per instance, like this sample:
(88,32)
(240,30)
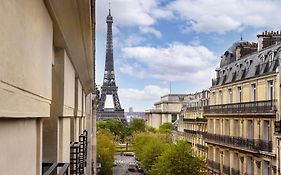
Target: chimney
(267,39)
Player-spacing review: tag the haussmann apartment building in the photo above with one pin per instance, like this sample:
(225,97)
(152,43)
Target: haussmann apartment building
(46,85)
(192,125)
(243,128)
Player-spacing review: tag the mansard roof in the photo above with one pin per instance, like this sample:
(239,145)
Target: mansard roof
(255,64)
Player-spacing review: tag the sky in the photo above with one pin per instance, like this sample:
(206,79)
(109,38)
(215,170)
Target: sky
(160,44)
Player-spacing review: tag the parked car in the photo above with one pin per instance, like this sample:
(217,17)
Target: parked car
(132,168)
(129,154)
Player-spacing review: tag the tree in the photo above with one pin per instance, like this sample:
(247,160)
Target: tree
(178,159)
(166,127)
(137,125)
(116,127)
(147,147)
(106,151)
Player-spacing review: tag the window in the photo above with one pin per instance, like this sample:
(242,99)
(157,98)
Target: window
(174,117)
(270,90)
(218,128)
(226,127)
(253,92)
(266,168)
(236,161)
(239,94)
(250,165)
(266,130)
(229,96)
(214,98)
(237,128)
(221,97)
(250,129)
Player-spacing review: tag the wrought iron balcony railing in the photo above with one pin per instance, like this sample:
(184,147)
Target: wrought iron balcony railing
(78,154)
(267,106)
(202,147)
(226,169)
(197,108)
(235,171)
(189,131)
(277,126)
(195,120)
(213,165)
(239,142)
(55,169)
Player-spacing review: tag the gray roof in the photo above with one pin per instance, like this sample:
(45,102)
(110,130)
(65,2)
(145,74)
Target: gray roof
(258,63)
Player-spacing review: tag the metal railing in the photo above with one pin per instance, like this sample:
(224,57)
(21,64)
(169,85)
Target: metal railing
(78,154)
(202,147)
(239,142)
(195,120)
(213,165)
(55,168)
(189,131)
(267,106)
(235,171)
(226,169)
(277,126)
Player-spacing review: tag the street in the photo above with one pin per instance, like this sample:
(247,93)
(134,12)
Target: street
(123,165)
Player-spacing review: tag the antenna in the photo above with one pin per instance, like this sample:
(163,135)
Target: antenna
(241,37)
(109,4)
(170,87)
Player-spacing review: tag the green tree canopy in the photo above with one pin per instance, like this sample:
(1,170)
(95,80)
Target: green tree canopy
(106,151)
(147,147)
(166,127)
(178,159)
(137,125)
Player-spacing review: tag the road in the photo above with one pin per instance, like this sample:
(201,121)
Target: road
(123,164)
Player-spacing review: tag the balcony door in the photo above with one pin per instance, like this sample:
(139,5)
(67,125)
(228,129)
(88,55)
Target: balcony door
(266,131)
(253,91)
(266,168)
(250,129)
(250,166)
(270,90)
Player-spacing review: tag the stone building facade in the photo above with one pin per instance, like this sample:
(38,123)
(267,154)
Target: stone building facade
(192,125)
(166,110)
(46,83)
(244,105)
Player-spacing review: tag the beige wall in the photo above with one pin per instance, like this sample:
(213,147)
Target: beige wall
(26,46)
(20,146)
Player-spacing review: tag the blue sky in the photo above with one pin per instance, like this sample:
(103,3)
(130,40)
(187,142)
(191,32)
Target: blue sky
(177,41)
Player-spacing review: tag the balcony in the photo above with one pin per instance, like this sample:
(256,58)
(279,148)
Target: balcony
(235,171)
(195,120)
(194,108)
(78,154)
(202,147)
(55,168)
(226,169)
(267,106)
(277,126)
(189,131)
(213,165)
(239,142)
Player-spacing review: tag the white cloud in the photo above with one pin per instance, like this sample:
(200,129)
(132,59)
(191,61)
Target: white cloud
(151,30)
(141,99)
(221,16)
(178,62)
(131,12)
(149,92)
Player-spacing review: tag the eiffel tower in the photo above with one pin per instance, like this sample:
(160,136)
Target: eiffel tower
(109,87)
